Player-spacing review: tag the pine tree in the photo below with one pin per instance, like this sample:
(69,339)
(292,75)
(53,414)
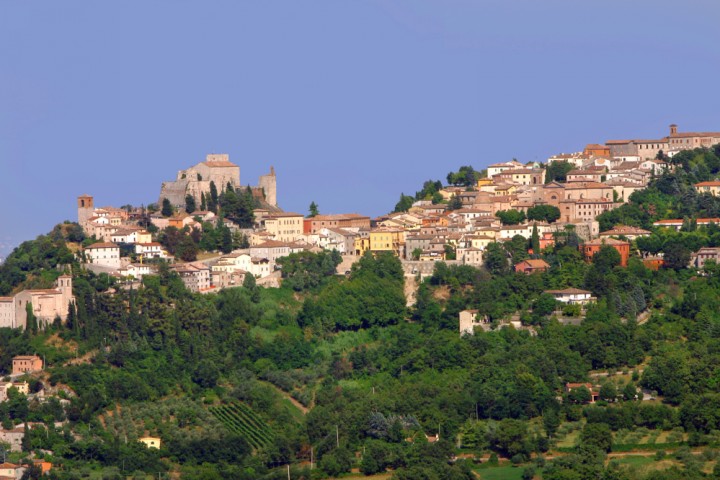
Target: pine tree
(313,211)
(190,204)
(167,209)
(213,200)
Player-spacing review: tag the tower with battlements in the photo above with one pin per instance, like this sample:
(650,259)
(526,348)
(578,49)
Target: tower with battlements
(268,183)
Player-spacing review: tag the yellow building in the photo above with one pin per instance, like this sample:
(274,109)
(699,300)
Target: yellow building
(362,245)
(387,240)
(484,182)
(284,227)
(712,188)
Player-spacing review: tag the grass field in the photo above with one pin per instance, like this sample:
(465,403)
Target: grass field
(501,473)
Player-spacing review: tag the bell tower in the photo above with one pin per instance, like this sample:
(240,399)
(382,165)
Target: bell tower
(85,208)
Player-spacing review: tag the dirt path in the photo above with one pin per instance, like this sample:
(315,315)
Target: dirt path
(286,395)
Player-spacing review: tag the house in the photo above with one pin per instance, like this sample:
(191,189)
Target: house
(150,250)
(150,442)
(531,266)
(631,233)
(195,275)
(388,240)
(10,470)
(43,465)
(26,364)
(21,387)
(595,150)
(546,240)
(712,187)
(705,254)
(677,223)
(469,320)
(137,270)
(105,254)
(284,227)
(594,393)
(573,296)
(347,220)
(589,249)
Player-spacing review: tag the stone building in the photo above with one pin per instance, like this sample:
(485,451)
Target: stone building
(47,304)
(218,169)
(26,364)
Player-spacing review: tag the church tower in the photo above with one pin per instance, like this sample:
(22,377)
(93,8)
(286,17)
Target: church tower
(85,208)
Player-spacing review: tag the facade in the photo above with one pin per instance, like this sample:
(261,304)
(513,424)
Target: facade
(47,304)
(105,254)
(284,227)
(713,187)
(347,220)
(531,266)
(705,254)
(195,276)
(589,249)
(7,312)
(573,296)
(469,320)
(631,233)
(26,364)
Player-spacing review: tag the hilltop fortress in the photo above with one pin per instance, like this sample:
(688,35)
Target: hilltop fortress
(216,168)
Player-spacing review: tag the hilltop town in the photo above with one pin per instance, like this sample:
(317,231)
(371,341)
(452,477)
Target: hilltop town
(565,308)
(453,223)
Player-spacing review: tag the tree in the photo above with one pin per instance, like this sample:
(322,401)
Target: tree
(535,241)
(557,171)
(677,255)
(466,176)
(167,208)
(455,203)
(597,435)
(544,213)
(495,259)
(190,205)
(314,212)
(510,217)
(31,324)
(212,201)
(416,253)
(404,204)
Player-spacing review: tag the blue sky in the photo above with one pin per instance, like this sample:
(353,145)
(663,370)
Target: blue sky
(352,101)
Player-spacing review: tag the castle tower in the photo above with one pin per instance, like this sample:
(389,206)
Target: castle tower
(269,185)
(673,129)
(85,208)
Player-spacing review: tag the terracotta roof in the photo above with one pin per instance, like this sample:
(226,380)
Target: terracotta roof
(624,229)
(695,134)
(284,214)
(102,245)
(567,291)
(606,241)
(6,299)
(584,185)
(713,183)
(535,263)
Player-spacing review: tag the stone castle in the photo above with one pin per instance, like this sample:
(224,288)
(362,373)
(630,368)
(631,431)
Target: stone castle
(216,168)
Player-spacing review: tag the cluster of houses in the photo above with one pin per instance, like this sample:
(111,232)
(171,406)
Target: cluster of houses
(602,178)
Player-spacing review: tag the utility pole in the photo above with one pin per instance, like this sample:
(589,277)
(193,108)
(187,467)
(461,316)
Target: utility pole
(311,458)
(288,471)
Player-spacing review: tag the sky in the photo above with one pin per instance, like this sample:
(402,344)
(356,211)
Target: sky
(352,102)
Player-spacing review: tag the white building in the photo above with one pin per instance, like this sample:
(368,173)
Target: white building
(105,254)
